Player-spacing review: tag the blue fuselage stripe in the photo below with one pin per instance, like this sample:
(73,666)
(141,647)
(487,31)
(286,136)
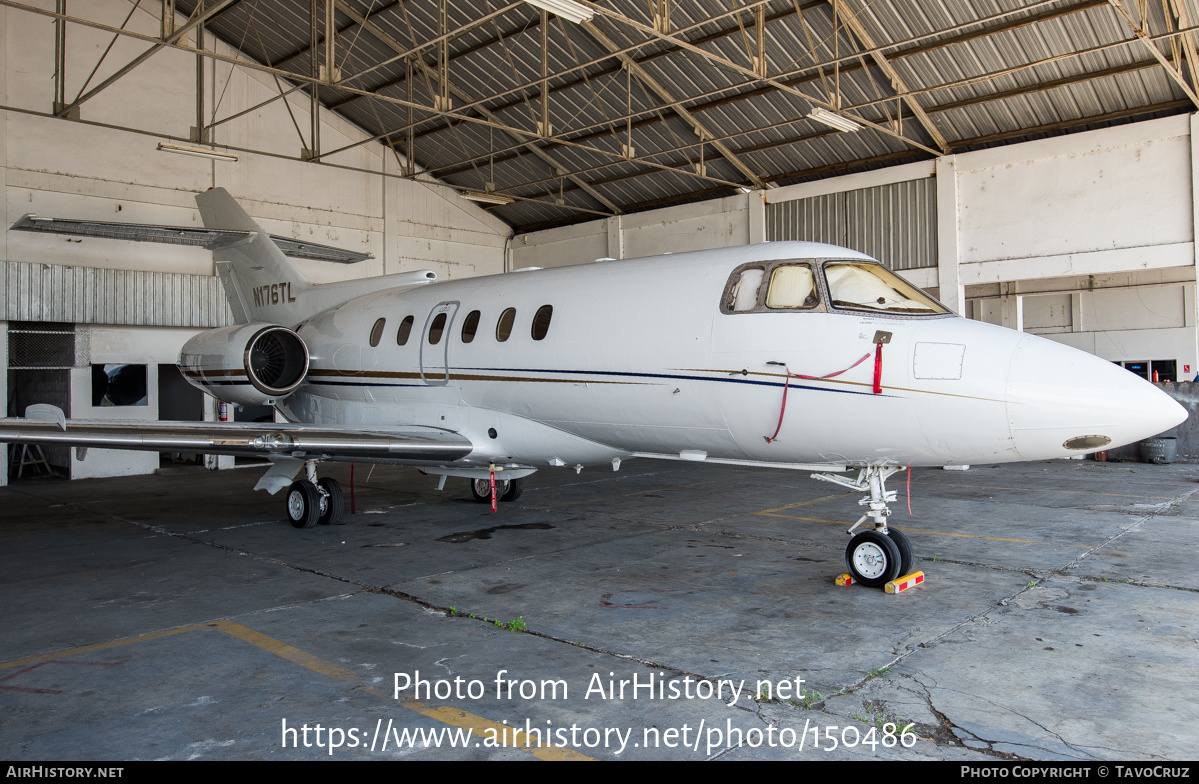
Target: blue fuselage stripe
(616,373)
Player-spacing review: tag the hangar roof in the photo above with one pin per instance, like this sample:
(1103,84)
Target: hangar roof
(658,102)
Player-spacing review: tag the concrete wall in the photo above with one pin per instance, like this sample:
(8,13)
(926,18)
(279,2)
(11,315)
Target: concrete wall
(99,345)
(719,223)
(1087,239)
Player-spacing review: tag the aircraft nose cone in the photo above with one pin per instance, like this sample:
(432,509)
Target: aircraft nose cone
(1062,401)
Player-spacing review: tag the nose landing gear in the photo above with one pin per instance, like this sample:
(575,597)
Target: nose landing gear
(876,556)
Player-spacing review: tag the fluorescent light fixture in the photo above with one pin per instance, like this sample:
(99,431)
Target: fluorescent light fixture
(833,120)
(486,198)
(743,189)
(567,9)
(198,152)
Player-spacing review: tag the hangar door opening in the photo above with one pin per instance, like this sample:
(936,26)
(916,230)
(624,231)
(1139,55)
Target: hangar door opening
(178,401)
(40,358)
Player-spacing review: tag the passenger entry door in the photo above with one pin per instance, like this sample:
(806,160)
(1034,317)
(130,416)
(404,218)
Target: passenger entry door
(435,344)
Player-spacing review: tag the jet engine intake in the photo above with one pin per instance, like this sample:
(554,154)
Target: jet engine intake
(247,364)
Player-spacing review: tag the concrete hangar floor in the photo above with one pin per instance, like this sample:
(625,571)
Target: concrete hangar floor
(178,617)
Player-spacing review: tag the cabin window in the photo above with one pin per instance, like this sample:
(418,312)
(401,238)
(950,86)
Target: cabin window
(541,322)
(868,286)
(470,326)
(743,292)
(792,286)
(436,329)
(404,331)
(503,328)
(377,332)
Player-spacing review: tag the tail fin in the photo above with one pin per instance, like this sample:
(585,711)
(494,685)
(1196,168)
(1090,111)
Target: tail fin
(260,282)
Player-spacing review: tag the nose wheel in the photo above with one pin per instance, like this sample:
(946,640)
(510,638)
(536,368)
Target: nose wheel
(873,559)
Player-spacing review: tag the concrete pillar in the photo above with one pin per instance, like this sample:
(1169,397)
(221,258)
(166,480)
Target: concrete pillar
(4,224)
(1194,128)
(756,209)
(4,385)
(1011,307)
(616,237)
(4,218)
(949,279)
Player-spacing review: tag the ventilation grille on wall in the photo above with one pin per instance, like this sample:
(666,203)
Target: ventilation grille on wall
(40,346)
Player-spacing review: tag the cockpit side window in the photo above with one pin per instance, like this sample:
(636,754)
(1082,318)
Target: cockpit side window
(867,286)
(742,292)
(792,286)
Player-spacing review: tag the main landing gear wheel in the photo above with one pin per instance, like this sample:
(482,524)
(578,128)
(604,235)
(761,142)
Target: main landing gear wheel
(515,488)
(505,489)
(906,559)
(332,504)
(481,489)
(873,559)
(303,504)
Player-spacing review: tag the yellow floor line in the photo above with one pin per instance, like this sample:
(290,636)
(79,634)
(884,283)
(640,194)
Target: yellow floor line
(98,646)
(1048,490)
(804,503)
(480,726)
(283,650)
(445,714)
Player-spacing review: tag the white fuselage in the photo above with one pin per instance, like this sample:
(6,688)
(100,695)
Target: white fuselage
(640,359)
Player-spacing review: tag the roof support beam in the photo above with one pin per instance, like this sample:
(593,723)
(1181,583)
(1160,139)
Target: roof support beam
(705,136)
(1143,35)
(859,30)
(928,42)
(440,41)
(748,72)
(199,16)
(607,129)
(658,115)
(449,89)
(973,101)
(1186,41)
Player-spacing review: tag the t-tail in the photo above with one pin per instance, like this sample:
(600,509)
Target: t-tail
(264,285)
(260,282)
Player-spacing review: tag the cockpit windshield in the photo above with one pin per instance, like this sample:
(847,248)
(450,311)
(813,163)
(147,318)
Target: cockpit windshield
(867,286)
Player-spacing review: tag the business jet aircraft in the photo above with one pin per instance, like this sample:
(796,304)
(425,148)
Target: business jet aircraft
(788,354)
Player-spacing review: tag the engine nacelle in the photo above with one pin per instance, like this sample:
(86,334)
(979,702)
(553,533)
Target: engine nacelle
(248,364)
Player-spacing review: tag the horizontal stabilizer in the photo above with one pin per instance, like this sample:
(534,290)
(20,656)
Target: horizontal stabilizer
(210,239)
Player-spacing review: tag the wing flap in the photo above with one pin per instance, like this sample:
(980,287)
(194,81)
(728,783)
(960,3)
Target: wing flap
(422,444)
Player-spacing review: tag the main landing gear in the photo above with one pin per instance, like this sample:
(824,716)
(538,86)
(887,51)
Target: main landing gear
(311,501)
(505,489)
(880,554)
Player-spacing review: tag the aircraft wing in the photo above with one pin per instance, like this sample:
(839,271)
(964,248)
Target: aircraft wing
(212,239)
(270,440)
